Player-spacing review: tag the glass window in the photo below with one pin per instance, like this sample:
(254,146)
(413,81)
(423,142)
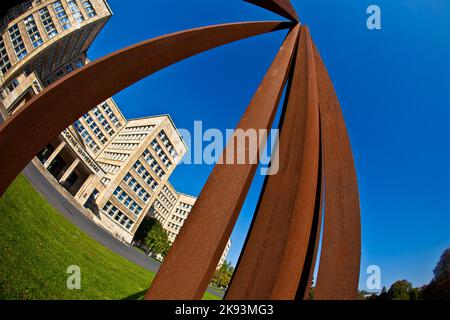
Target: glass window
(76,13)
(5,64)
(33,32)
(47,22)
(89,9)
(17,42)
(61,15)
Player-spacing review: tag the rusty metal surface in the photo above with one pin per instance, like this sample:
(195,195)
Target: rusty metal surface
(306,282)
(282,7)
(196,252)
(58,106)
(276,251)
(341,245)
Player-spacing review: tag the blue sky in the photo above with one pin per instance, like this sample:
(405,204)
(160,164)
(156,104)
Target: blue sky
(393,84)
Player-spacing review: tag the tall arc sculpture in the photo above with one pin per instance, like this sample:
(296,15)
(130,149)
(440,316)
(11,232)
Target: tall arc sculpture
(313,196)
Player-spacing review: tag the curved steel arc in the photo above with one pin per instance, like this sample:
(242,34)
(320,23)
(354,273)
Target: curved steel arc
(282,7)
(202,240)
(59,105)
(339,267)
(274,256)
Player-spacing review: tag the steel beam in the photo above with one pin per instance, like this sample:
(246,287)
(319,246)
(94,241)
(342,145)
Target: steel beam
(282,7)
(277,249)
(341,245)
(63,102)
(196,252)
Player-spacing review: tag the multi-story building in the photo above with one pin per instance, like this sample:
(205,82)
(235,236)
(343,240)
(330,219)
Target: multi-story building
(119,169)
(42,40)
(171,209)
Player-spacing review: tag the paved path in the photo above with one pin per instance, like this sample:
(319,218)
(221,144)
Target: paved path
(71,212)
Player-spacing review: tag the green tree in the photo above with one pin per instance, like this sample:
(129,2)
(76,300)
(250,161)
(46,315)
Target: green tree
(152,234)
(439,287)
(223,275)
(400,290)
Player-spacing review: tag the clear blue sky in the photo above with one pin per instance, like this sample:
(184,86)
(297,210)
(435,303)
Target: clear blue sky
(393,84)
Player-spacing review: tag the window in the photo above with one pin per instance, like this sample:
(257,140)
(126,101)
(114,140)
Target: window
(5,64)
(106,181)
(17,42)
(95,129)
(11,86)
(75,11)
(33,32)
(111,115)
(61,15)
(47,22)
(89,9)
(86,136)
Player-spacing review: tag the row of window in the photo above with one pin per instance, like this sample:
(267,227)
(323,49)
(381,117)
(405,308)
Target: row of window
(66,69)
(169,194)
(132,136)
(171,235)
(61,15)
(153,164)
(118,216)
(158,205)
(182,212)
(17,42)
(86,136)
(116,156)
(127,201)
(159,217)
(160,153)
(111,115)
(47,22)
(61,52)
(103,121)
(169,146)
(123,146)
(145,175)
(33,33)
(109,168)
(185,205)
(147,128)
(164,200)
(174,226)
(49,27)
(136,187)
(178,219)
(5,64)
(95,129)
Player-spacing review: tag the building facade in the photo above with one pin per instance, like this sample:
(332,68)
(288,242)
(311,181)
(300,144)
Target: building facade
(117,168)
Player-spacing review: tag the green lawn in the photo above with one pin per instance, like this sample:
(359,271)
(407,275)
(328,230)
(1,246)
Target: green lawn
(37,244)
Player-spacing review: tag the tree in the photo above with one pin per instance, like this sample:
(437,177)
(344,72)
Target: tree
(152,234)
(223,275)
(400,290)
(144,228)
(439,287)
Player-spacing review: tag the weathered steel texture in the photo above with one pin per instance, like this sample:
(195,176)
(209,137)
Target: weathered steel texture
(277,249)
(282,7)
(196,252)
(59,105)
(306,281)
(341,245)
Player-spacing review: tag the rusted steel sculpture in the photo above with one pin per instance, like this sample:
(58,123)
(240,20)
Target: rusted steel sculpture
(316,181)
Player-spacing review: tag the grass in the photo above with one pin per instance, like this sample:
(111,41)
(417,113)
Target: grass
(37,244)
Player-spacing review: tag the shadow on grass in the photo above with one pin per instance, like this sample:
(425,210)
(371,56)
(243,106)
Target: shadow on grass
(136,296)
